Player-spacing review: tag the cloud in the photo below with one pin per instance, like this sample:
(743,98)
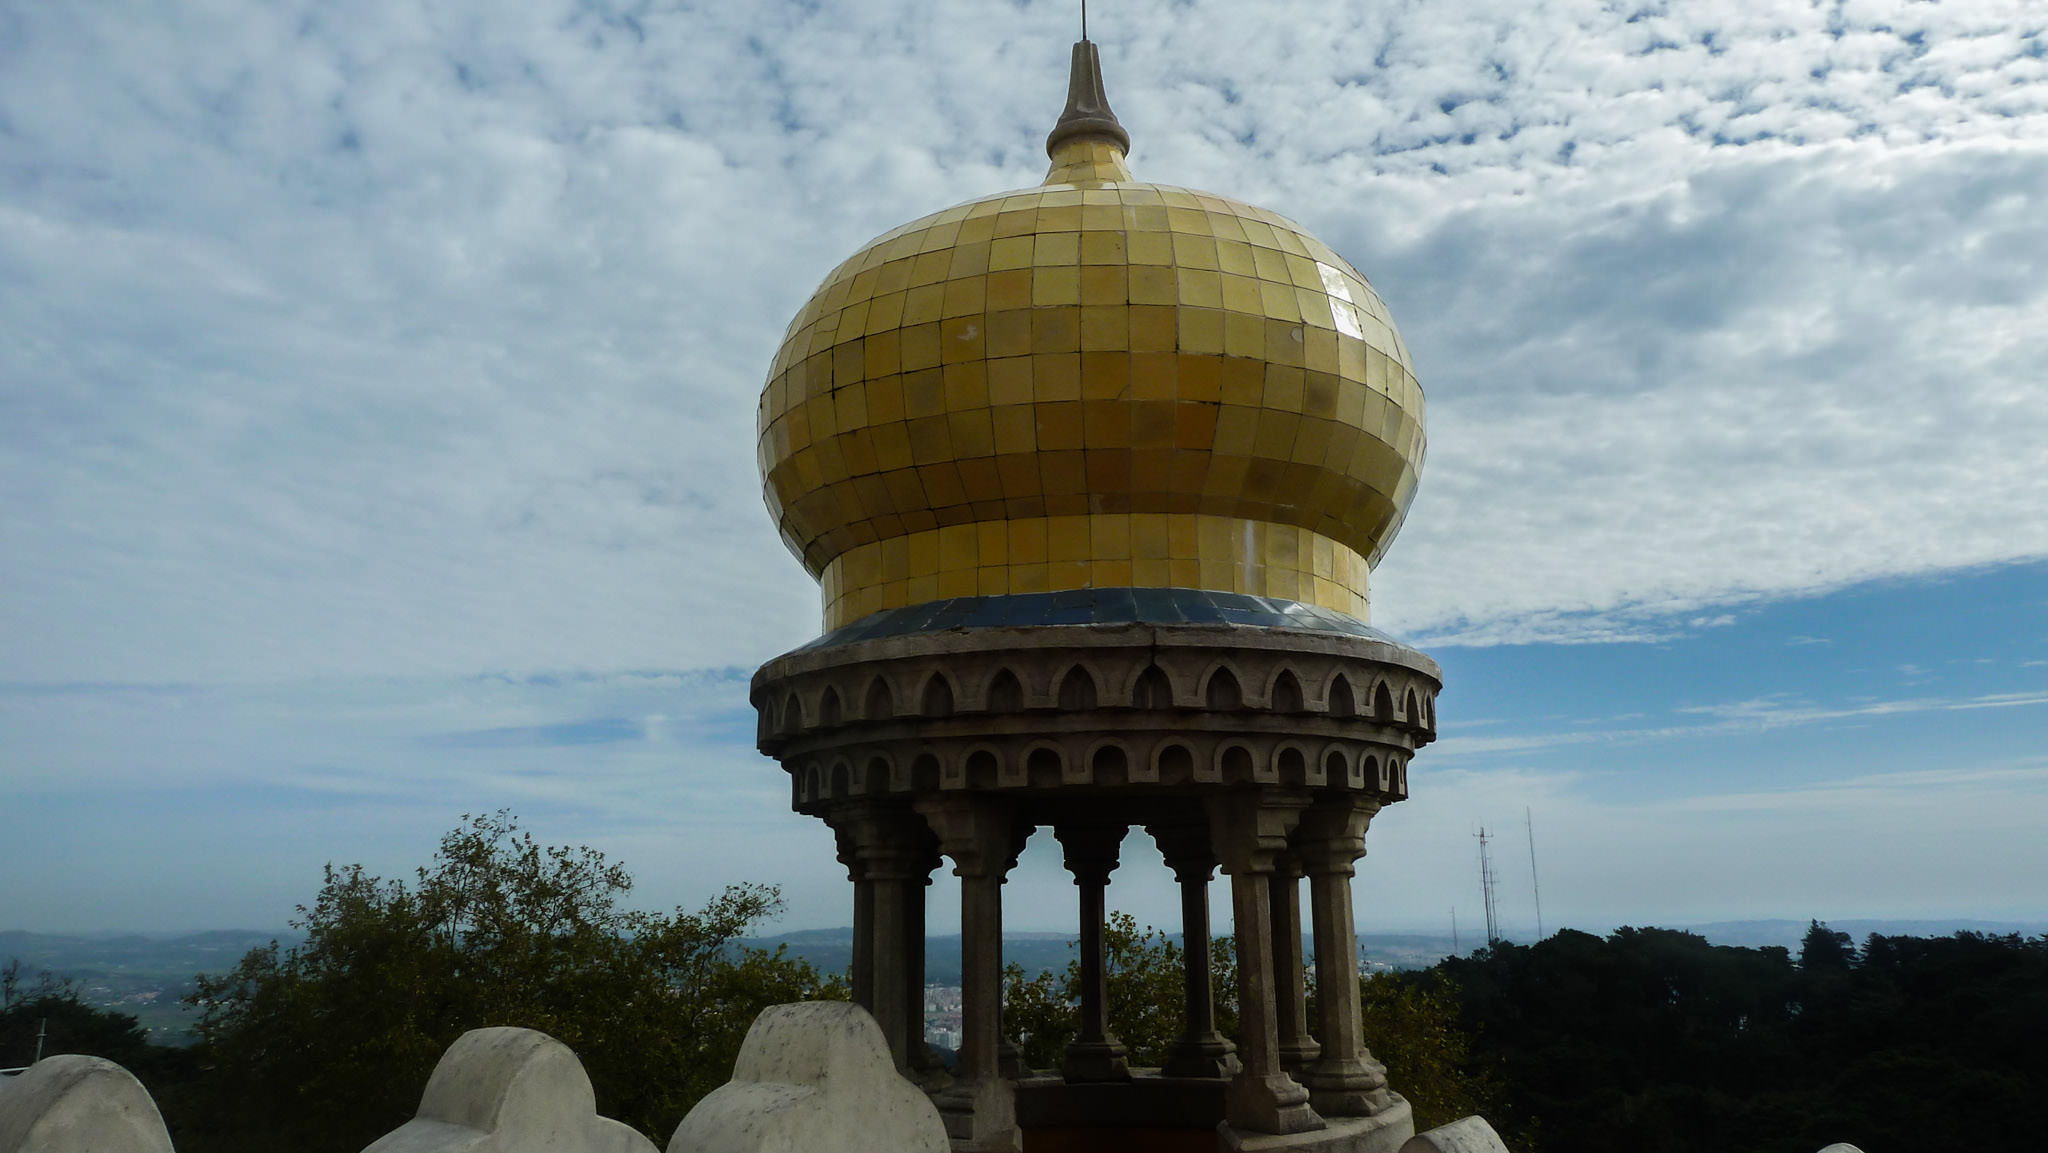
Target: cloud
(1727,719)
(426,341)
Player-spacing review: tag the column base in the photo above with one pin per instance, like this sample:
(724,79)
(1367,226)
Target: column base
(1010,1060)
(1209,1055)
(1384,1132)
(1299,1055)
(980,1116)
(1096,1061)
(1353,1088)
(1272,1104)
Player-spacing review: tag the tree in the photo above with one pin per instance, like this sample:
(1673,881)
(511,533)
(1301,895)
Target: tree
(1146,1004)
(1823,949)
(1411,1025)
(328,1045)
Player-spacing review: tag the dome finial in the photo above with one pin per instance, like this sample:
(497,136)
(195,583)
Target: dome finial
(1087,115)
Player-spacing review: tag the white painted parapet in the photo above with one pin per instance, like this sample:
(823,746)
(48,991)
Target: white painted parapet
(813,1078)
(76,1104)
(506,1090)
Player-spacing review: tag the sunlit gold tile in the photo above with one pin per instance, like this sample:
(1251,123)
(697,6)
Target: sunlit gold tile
(1105,328)
(1104,247)
(1150,248)
(1244,334)
(1105,284)
(1056,329)
(885,313)
(1153,285)
(921,346)
(1201,329)
(961,339)
(1056,249)
(923,304)
(964,296)
(1055,286)
(1056,376)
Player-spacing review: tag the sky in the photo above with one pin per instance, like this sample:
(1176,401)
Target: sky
(377,386)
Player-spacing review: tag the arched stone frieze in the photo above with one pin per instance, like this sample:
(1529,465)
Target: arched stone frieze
(1284,694)
(880,703)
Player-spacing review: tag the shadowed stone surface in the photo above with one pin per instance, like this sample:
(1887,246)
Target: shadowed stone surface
(815,1076)
(1465,1135)
(507,1090)
(78,1104)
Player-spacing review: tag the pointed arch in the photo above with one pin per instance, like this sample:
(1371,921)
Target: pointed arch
(1382,703)
(792,715)
(828,708)
(1223,692)
(1005,693)
(1077,690)
(881,703)
(1343,703)
(1153,691)
(1411,710)
(1287,693)
(938,697)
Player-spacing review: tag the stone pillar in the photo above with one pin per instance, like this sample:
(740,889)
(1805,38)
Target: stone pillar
(1346,1081)
(1091,855)
(1201,1051)
(983,838)
(889,843)
(862,977)
(1249,828)
(925,861)
(1290,975)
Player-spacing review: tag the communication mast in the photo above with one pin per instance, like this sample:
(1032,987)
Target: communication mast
(1454,932)
(1486,884)
(1535,885)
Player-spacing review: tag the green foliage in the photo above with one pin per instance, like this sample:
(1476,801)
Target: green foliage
(1411,1026)
(1147,997)
(1655,1039)
(328,1045)
(51,1005)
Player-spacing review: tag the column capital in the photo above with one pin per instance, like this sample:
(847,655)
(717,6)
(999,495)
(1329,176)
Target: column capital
(1185,845)
(983,837)
(1091,849)
(1331,836)
(886,841)
(1249,828)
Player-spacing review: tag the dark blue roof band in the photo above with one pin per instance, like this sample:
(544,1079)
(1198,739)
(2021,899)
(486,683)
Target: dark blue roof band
(1118,606)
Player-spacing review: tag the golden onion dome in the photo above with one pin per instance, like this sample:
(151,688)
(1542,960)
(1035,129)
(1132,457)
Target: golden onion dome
(1094,383)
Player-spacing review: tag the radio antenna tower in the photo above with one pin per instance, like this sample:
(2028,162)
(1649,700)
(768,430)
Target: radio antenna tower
(1486,885)
(1454,931)
(1534,884)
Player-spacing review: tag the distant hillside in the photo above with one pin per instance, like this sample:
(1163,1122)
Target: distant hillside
(143,975)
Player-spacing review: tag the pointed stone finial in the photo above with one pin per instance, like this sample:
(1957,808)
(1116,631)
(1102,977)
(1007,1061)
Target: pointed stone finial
(1087,116)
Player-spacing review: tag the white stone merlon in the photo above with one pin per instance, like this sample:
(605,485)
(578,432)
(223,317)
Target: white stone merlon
(1465,1135)
(77,1104)
(506,1090)
(812,1077)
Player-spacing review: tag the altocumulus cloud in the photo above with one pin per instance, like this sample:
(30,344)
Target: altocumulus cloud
(422,338)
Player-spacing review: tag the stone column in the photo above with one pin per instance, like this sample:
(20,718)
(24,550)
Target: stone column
(863,976)
(1249,828)
(1201,1051)
(926,859)
(1290,975)
(1346,1081)
(983,839)
(1091,855)
(888,842)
